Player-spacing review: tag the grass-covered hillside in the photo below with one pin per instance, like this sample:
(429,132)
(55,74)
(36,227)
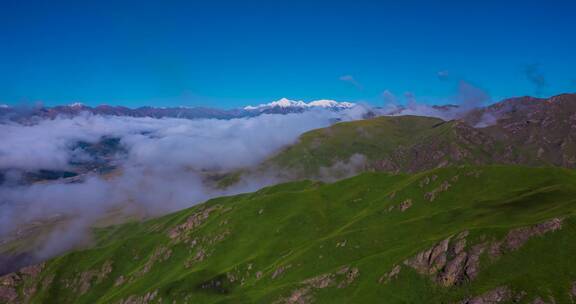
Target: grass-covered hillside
(395,144)
(452,235)
(526,131)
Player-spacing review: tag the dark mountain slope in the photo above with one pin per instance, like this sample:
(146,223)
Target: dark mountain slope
(525,131)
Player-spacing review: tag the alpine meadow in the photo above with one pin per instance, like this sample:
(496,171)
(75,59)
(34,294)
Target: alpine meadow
(282,152)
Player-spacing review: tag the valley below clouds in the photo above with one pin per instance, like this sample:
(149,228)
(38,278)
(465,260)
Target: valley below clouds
(153,166)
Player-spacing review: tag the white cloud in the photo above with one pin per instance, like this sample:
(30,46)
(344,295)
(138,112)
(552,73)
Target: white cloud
(164,167)
(350,79)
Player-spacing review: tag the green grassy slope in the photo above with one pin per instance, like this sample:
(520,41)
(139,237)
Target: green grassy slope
(306,242)
(395,144)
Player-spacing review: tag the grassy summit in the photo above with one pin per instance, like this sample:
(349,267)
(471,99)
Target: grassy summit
(395,144)
(441,236)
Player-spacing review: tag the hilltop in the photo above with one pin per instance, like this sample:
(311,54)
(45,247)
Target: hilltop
(523,131)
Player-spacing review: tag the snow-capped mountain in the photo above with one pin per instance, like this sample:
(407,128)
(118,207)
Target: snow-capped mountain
(76,105)
(287,103)
(282,106)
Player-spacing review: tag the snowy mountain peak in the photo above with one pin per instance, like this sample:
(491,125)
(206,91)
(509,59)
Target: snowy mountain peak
(287,103)
(76,105)
(327,103)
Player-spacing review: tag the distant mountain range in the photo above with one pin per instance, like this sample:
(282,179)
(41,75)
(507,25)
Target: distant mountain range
(282,106)
(525,130)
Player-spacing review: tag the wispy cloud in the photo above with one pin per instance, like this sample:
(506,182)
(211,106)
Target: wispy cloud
(467,97)
(350,79)
(389,98)
(536,77)
(443,75)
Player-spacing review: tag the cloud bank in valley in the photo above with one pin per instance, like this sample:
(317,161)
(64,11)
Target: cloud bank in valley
(163,169)
(166,164)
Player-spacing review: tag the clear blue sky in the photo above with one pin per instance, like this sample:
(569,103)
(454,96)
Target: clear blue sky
(232,53)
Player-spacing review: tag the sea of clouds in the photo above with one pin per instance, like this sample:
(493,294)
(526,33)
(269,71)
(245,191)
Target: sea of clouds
(164,164)
(163,169)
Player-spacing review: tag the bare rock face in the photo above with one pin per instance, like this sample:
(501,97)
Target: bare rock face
(391,275)
(298,296)
(82,282)
(347,276)
(177,233)
(10,283)
(341,278)
(160,254)
(280,270)
(149,297)
(544,125)
(431,196)
(516,238)
(497,295)
(447,262)
(405,205)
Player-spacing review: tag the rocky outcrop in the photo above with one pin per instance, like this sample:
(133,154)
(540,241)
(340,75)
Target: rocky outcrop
(84,280)
(280,270)
(195,220)
(8,288)
(299,296)
(342,278)
(447,262)
(159,254)
(431,196)
(451,262)
(202,247)
(149,297)
(497,295)
(389,276)
(516,238)
(10,284)
(405,205)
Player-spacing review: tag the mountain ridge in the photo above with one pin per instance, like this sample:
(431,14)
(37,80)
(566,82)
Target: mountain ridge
(524,131)
(282,106)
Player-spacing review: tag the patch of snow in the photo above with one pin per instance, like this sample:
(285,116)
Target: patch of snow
(76,105)
(287,103)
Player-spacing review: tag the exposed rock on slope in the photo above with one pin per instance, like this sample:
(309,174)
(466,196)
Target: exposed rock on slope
(526,131)
(318,243)
(448,262)
(497,295)
(452,262)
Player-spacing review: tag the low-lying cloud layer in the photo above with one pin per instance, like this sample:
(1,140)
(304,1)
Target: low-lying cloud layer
(160,165)
(163,169)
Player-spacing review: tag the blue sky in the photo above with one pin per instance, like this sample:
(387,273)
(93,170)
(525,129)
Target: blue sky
(232,53)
